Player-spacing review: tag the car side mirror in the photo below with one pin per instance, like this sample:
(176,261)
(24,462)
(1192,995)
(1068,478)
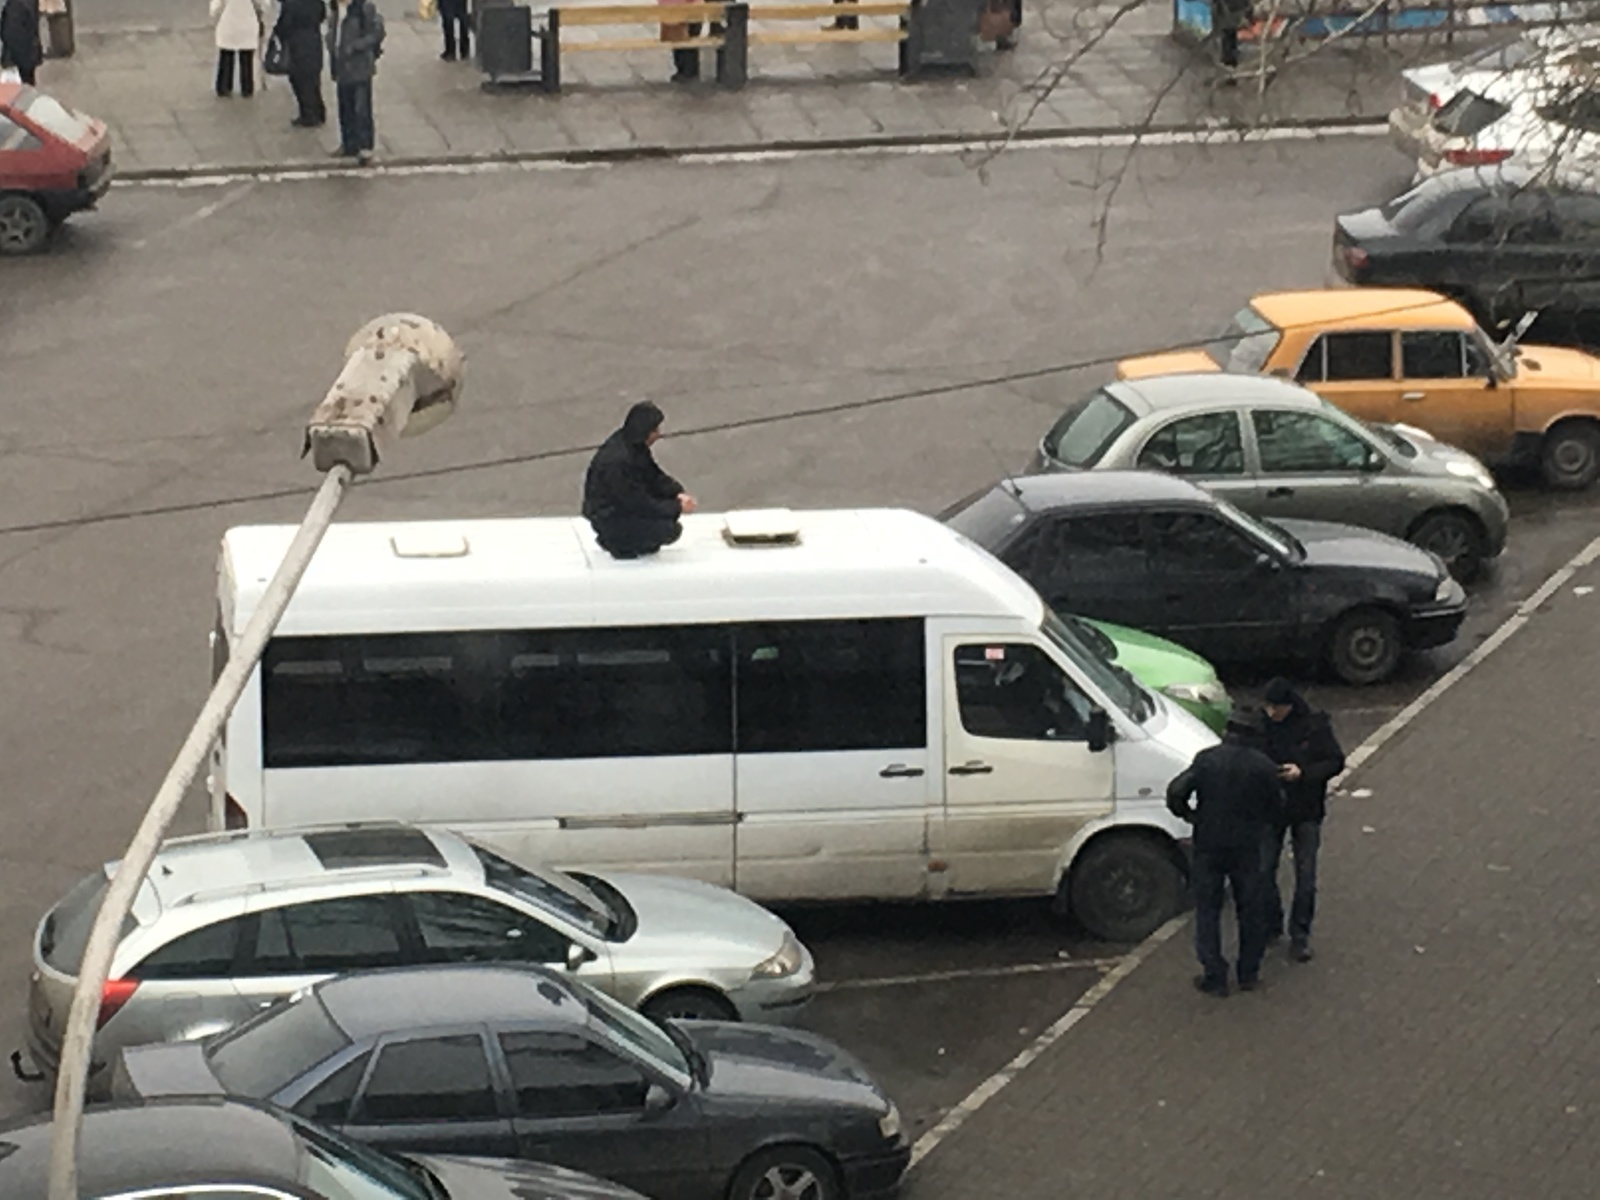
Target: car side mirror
(657,1099)
(1373,462)
(1267,564)
(1099,729)
(578,956)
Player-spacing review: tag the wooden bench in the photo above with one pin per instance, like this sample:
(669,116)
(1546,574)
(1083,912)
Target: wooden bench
(828,12)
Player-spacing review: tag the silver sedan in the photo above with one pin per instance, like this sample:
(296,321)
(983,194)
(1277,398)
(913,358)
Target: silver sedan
(1276,449)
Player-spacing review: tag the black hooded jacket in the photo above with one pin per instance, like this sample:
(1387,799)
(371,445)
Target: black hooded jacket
(1305,738)
(624,485)
(1236,794)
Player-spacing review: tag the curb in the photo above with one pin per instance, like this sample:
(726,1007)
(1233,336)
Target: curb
(1222,131)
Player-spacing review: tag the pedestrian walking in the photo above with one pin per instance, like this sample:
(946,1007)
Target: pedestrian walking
(299,30)
(240,24)
(1301,741)
(355,43)
(685,60)
(633,505)
(20,46)
(1236,797)
(457,22)
(1227,18)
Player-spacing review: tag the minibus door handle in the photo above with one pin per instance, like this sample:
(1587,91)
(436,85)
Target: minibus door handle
(972,768)
(900,771)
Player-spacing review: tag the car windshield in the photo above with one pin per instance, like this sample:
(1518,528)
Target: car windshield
(640,1034)
(337,1169)
(988,517)
(1086,430)
(1247,342)
(54,116)
(552,892)
(1279,539)
(275,1047)
(1119,687)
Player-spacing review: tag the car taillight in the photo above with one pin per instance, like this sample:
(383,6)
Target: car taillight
(233,816)
(1355,257)
(1475,158)
(113,996)
(1435,101)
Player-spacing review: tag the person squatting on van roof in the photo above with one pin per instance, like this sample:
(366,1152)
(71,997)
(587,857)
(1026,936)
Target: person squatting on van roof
(630,502)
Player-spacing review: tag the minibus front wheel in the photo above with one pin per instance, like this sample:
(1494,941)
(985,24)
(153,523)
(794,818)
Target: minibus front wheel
(1123,886)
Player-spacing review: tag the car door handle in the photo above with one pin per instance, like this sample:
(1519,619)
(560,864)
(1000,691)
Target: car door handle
(1278,493)
(899,771)
(972,768)
(1413,395)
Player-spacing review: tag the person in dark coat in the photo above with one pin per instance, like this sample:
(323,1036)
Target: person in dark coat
(299,28)
(355,43)
(1301,741)
(1236,798)
(631,503)
(1227,18)
(20,46)
(457,23)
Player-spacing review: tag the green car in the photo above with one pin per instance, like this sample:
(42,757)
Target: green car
(1162,666)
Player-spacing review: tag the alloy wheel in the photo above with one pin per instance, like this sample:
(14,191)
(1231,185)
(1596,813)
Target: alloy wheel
(788,1181)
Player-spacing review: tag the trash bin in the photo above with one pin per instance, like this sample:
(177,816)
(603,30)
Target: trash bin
(942,36)
(505,42)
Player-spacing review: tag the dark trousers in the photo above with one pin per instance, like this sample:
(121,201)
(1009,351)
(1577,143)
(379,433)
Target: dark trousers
(1214,872)
(308,95)
(1229,39)
(636,538)
(1305,839)
(686,63)
(247,72)
(356,132)
(28,75)
(457,28)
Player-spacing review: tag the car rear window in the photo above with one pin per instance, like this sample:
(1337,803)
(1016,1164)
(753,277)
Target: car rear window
(66,928)
(1247,342)
(987,517)
(275,1048)
(1467,114)
(54,116)
(1086,430)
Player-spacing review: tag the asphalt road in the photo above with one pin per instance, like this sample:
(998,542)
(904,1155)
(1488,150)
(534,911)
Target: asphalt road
(166,353)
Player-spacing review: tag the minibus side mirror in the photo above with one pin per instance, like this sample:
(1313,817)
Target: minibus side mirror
(1099,729)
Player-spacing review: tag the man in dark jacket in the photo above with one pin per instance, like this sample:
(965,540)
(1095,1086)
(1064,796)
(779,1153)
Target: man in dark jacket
(355,43)
(632,504)
(20,46)
(1237,797)
(1308,755)
(299,28)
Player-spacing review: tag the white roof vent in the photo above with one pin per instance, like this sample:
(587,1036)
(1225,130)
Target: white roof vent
(761,527)
(429,543)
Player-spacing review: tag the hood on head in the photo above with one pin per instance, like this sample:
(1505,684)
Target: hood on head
(643,419)
(1280,691)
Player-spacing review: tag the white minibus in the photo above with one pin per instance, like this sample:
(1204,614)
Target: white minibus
(817,705)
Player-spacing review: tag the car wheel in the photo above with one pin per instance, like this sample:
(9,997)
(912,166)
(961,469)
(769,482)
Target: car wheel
(24,227)
(1365,647)
(1121,889)
(689,1004)
(1455,537)
(1571,455)
(786,1173)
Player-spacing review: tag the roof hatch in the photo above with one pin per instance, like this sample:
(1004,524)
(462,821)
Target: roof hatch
(761,527)
(429,543)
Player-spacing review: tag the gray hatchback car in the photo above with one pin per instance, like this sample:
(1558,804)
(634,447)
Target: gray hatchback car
(225,924)
(1277,450)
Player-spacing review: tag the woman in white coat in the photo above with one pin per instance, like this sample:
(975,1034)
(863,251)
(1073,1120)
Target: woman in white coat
(239,24)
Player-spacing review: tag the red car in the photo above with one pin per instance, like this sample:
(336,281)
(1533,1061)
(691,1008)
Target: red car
(53,162)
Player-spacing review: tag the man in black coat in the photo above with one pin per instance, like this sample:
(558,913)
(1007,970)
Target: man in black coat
(20,46)
(632,504)
(299,28)
(1237,798)
(1308,755)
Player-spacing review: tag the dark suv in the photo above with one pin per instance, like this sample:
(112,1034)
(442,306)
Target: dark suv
(1158,553)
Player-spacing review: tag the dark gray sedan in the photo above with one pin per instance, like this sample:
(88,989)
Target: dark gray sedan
(1276,450)
(512,1062)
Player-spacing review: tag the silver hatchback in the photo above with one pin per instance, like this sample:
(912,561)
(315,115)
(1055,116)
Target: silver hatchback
(227,923)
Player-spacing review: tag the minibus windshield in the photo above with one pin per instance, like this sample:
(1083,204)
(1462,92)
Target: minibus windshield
(1118,686)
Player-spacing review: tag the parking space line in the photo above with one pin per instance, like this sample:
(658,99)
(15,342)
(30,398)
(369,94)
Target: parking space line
(1002,972)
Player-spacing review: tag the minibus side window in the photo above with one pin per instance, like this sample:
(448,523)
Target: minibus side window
(1013,690)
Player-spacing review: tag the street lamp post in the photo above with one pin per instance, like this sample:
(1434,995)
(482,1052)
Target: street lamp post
(402,375)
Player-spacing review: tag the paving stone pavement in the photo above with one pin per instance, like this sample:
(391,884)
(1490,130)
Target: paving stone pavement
(1445,1042)
(152,85)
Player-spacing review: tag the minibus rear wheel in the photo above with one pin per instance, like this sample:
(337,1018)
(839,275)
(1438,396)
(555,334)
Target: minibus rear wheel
(1122,887)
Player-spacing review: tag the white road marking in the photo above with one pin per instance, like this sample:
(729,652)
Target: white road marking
(1221,136)
(1357,758)
(1013,969)
(204,213)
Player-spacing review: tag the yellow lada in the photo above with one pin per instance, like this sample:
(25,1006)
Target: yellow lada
(1412,357)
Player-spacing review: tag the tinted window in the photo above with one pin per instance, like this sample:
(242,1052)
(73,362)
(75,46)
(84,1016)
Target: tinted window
(831,685)
(1336,356)
(462,928)
(66,929)
(1196,543)
(205,953)
(1467,114)
(1302,441)
(563,1075)
(430,1079)
(1013,690)
(329,1102)
(1431,354)
(1207,444)
(1531,219)
(1098,553)
(15,137)
(350,934)
(276,1048)
(1086,429)
(988,517)
(1484,220)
